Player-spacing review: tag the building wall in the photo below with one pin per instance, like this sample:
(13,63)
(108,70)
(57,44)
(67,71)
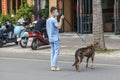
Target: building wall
(30,2)
(52,3)
(41,3)
(67,12)
(10,6)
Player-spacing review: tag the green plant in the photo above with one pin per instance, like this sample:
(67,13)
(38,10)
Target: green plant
(4,18)
(106,51)
(25,11)
(44,12)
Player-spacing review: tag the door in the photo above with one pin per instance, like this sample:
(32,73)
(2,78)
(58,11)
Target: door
(117,16)
(84,16)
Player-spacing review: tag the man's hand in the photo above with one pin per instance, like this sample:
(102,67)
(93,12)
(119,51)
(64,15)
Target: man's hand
(60,22)
(62,17)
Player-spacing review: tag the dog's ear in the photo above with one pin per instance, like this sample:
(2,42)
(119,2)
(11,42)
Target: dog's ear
(90,45)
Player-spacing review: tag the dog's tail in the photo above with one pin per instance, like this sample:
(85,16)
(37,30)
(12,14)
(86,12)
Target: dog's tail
(73,64)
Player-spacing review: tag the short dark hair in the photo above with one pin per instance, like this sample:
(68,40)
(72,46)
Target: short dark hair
(52,9)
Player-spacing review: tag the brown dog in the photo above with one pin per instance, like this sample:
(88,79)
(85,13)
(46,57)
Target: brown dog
(88,52)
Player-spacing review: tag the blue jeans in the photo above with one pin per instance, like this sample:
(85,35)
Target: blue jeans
(55,51)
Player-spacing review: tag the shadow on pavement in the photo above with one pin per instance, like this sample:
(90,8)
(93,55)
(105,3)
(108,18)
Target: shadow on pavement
(9,45)
(42,48)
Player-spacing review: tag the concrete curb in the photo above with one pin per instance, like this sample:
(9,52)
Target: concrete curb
(63,52)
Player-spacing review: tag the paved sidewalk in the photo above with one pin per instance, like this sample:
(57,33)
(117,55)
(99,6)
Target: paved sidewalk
(112,41)
(70,42)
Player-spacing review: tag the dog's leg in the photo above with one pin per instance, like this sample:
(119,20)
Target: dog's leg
(87,62)
(76,67)
(78,63)
(92,65)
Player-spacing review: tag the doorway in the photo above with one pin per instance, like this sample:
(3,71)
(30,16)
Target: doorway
(117,16)
(84,16)
(78,13)
(108,15)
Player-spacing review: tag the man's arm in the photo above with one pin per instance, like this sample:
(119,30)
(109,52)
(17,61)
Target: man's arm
(60,22)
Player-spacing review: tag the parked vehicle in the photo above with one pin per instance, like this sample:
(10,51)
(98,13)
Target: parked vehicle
(37,33)
(7,34)
(38,39)
(20,31)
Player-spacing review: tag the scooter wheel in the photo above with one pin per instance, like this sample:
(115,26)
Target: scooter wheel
(1,43)
(23,44)
(35,44)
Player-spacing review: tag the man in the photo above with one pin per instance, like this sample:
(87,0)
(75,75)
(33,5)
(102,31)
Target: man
(40,25)
(53,27)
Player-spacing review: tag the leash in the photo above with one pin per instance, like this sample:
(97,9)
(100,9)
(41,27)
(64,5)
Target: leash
(75,32)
